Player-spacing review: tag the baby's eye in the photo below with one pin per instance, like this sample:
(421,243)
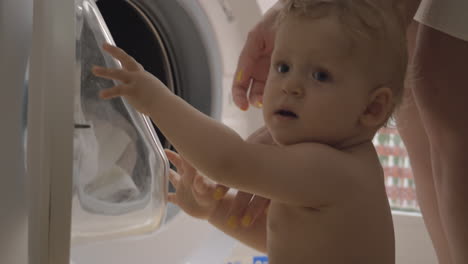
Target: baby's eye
(321,76)
(282,68)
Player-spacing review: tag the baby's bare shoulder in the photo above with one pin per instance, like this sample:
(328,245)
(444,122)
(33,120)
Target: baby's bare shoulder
(336,173)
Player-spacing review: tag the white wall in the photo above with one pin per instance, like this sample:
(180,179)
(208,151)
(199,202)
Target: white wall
(15,35)
(266,4)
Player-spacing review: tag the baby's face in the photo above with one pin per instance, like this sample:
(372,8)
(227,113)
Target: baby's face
(318,85)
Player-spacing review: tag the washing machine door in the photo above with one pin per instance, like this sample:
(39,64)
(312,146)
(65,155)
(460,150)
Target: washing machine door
(119,166)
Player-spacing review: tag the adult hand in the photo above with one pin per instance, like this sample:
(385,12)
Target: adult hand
(247,207)
(254,62)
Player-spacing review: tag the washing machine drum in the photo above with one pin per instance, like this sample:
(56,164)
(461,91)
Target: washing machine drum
(164,38)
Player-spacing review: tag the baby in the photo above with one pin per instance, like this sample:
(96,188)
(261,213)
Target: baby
(337,73)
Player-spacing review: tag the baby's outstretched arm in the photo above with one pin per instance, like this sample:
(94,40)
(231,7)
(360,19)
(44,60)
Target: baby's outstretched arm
(194,195)
(306,174)
(189,130)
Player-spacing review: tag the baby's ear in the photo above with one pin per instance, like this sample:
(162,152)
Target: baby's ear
(378,108)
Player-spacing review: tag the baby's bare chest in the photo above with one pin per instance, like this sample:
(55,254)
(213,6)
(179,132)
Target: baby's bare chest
(328,235)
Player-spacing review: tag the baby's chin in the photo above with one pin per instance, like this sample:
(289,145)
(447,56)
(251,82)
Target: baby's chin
(283,137)
(286,140)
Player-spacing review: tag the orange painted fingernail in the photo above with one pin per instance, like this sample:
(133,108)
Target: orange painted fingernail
(218,194)
(259,104)
(239,76)
(232,222)
(246,220)
(97,68)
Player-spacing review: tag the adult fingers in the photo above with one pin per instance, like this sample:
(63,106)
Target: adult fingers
(239,95)
(128,62)
(250,53)
(260,76)
(256,93)
(257,207)
(220,191)
(240,204)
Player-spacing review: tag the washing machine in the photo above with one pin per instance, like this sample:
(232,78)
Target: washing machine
(191,45)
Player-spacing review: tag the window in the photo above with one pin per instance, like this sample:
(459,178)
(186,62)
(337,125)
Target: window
(375,141)
(411,183)
(406,183)
(396,181)
(384,160)
(398,175)
(389,181)
(404,203)
(398,141)
(391,141)
(407,163)
(391,161)
(383,139)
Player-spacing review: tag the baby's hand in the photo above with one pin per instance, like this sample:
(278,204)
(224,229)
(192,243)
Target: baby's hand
(138,86)
(194,192)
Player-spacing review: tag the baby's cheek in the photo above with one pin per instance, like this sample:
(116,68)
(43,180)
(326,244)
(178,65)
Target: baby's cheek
(269,94)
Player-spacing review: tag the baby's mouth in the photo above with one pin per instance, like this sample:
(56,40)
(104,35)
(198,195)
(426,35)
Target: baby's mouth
(286,113)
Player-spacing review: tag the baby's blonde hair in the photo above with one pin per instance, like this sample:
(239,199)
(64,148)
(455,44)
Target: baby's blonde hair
(379,21)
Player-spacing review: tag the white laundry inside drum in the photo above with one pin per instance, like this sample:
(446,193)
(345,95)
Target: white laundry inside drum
(120,170)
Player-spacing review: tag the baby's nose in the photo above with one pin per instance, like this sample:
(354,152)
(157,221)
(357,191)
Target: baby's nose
(295,90)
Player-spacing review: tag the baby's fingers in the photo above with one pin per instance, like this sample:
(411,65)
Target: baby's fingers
(175,159)
(112,74)
(128,62)
(113,92)
(188,168)
(172,197)
(203,186)
(174,178)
